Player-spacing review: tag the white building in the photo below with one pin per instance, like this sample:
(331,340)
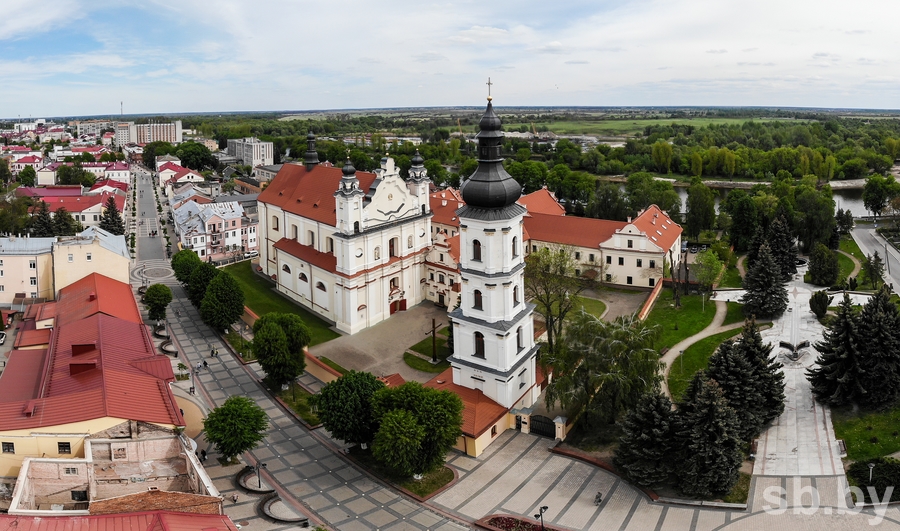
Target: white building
(251,151)
(215,230)
(129,132)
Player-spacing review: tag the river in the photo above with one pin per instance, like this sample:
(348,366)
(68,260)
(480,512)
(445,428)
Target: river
(846,198)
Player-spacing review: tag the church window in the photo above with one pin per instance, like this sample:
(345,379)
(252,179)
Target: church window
(630,244)
(294,233)
(320,286)
(302,276)
(274,222)
(312,238)
(286,268)
(378,253)
(395,283)
(522,379)
(392,247)
(494,430)
(409,242)
(515,295)
(329,245)
(520,342)
(441,278)
(356,226)
(431,275)
(477,304)
(479,345)
(515,246)
(452,280)
(476,250)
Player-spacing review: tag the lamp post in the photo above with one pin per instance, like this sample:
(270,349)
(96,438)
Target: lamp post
(871,468)
(541,515)
(257,468)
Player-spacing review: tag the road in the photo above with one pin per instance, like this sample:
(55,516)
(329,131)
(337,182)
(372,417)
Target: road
(869,242)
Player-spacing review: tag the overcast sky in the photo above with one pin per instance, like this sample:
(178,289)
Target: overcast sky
(80,57)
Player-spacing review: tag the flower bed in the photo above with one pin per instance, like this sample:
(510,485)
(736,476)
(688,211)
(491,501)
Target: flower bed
(505,522)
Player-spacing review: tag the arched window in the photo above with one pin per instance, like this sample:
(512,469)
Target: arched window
(378,253)
(320,286)
(392,247)
(515,246)
(355,226)
(302,276)
(476,250)
(312,238)
(274,222)
(409,242)
(286,268)
(479,345)
(477,304)
(515,295)
(395,283)
(329,245)
(520,339)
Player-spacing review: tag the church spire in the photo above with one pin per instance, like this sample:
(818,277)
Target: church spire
(311,158)
(349,183)
(490,186)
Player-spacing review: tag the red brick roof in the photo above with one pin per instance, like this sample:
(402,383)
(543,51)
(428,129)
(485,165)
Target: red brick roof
(479,411)
(309,193)
(142,521)
(81,203)
(393,380)
(326,261)
(109,182)
(110,297)
(571,230)
(444,205)
(542,202)
(31,338)
(658,226)
(453,243)
(172,166)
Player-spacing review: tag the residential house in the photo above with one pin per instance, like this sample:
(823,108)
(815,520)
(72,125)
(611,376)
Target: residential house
(34,161)
(215,231)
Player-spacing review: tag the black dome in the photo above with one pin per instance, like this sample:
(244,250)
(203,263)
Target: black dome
(490,186)
(417,159)
(348,169)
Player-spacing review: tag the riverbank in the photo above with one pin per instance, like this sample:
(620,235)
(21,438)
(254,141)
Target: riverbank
(848,184)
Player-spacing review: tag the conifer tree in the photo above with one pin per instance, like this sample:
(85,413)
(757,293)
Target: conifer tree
(879,325)
(644,453)
(765,294)
(42,222)
(63,223)
(111,220)
(767,372)
(781,243)
(759,237)
(873,269)
(835,378)
(709,449)
(737,379)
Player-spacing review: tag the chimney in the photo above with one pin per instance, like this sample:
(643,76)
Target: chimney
(311,158)
(629,219)
(93,296)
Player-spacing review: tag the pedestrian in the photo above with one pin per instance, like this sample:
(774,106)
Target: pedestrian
(199,367)
(216,352)
(192,390)
(212,353)
(182,411)
(202,455)
(205,364)
(234,498)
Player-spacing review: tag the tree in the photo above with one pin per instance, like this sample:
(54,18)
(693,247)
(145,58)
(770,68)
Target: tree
(223,302)
(608,203)
(27,176)
(736,377)
(879,324)
(236,426)
(345,407)
(743,219)
(195,156)
(878,192)
(5,174)
(835,379)
(42,222)
(63,223)
(199,280)
(815,215)
(701,208)
(183,264)
(873,269)
(824,267)
(157,298)
(398,442)
(710,456)
(550,283)
(602,368)
(662,156)
(765,294)
(767,372)
(819,303)
(74,174)
(844,220)
(439,413)
(278,343)
(111,219)
(781,243)
(156,149)
(707,267)
(696,164)
(644,454)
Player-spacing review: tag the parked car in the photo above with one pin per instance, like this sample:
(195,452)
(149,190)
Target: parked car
(694,249)
(2,338)
(251,254)
(703,247)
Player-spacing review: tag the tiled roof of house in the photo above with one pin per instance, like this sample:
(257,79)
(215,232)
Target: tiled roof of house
(658,226)
(309,193)
(444,205)
(326,261)
(60,190)
(142,521)
(32,338)
(570,230)
(542,202)
(109,182)
(94,294)
(82,203)
(30,159)
(453,244)
(479,411)
(393,380)
(172,167)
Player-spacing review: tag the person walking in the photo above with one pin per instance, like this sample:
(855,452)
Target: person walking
(199,367)
(205,364)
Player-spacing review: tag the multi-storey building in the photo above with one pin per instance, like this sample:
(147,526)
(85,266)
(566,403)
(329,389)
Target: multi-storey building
(215,230)
(129,132)
(251,151)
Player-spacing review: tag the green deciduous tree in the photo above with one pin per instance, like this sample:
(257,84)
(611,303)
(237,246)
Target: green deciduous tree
(236,426)
(878,192)
(345,407)
(27,176)
(398,442)
(111,219)
(701,208)
(608,203)
(602,368)
(824,267)
(819,303)
(744,219)
(873,270)
(644,453)
(706,268)
(223,302)
(42,222)
(279,340)
(183,264)
(815,215)
(157,298)
(709,458)
(835,378)
(199,280)
(765,294)
(551,284)
(662,156)
(879,325)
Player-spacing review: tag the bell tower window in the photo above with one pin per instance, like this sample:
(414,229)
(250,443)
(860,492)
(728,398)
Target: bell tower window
(479,345)
(477,304)
(476,250)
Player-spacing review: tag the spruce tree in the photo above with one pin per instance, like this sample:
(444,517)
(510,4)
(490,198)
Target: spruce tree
(765,294)
(767,372)
(759,237)
(63,223)
(111,220)
(879,325)
(836,377)
(709,448)
(781,243)
(644,453)
(824,267)
(737,379)
(42,222)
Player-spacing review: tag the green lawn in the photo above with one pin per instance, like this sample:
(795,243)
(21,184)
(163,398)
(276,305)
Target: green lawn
(259,296)
(429,483)
(741,490)
(735,313)
(240,345)
(731,279)
(848,245)
(678,323)
(334,365)
(846,265)
(297,398)
(696,357)
(423,365)
(592,306)
(867,434)
(425,348)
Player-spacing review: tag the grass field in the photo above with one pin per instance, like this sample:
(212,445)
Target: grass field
(846,265)
(678,323)
(426,348)
(848,245)
(591,306)
(627,127)
(297,398)
(735,313)
(695,357)
(260,297)
(731,278)
(867,433)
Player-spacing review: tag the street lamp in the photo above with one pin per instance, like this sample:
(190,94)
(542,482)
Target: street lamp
(541,516)
(871,468)
(257,468)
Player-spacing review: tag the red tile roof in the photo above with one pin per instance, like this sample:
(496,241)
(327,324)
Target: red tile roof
(309,194)
(110,297)
(31,338)
(479,411)
(571,230)
(142,521)
(542,202)
(453,243)
(657,225)
(81,203)
(393,380)
(326,261)
(172,166)
(109,182)
(30,159)
(444,205)
(21,379)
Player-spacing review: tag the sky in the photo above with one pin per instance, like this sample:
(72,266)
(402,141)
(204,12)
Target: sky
(80,57)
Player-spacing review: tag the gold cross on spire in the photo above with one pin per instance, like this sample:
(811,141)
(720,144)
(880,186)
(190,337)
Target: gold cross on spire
(489,88)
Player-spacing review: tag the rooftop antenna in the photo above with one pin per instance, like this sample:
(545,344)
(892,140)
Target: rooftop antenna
(121,109)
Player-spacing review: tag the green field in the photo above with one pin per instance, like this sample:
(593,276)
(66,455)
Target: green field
(867,434)
(626,127)
(592,306)
(678,323)
(695,357)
